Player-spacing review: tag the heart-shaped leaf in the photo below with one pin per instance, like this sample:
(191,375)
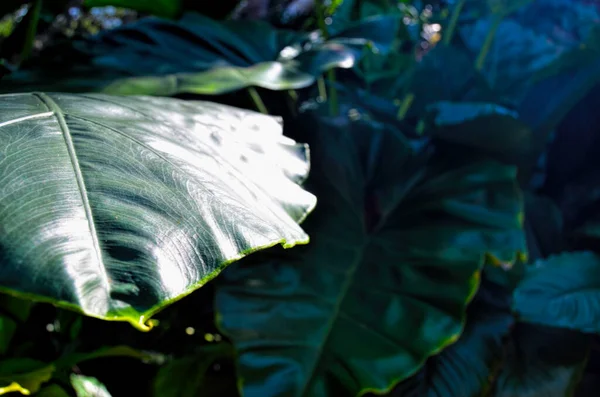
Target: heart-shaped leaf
(117,206)
(561,291)
(397,244)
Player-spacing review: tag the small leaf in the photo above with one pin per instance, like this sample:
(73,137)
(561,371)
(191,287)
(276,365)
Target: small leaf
(201,374)
(542,361)
(69,360)
(27,374)
(52,391)
(86,386)
(562,291)
(485,127)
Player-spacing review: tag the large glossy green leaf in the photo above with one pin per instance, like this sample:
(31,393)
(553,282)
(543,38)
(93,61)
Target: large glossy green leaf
(562,291)
(397,242)
(542,361)
(198,55)
(116,206)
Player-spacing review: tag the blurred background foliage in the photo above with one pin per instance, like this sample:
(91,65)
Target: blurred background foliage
(186,337)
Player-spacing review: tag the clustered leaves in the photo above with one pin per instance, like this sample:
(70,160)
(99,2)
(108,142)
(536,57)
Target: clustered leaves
(453,249)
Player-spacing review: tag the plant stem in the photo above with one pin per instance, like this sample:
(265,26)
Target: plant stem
(487,44)
(453,22)
(320,11)
(322,88)
(333,97)
(35,11)
(333,101)
(292,101)
(405,105)
(257,100)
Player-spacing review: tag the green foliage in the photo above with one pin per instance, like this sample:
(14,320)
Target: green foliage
(454,245)
(124,201)
(391,223)
(192,376)
(561,292)
(542,361)
(198,55)
(86,386)
(166,8)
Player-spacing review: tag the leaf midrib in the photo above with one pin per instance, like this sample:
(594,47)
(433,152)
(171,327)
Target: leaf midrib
(66,132)
(336,313)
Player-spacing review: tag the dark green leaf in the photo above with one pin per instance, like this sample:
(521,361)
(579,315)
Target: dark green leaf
(542,361)
(163,8)
(561,291)
(197,375)
(72,359)
(398,240)
(525,44)
(27,373)
(198,55)
(485,127)
(446,74)
(544,227)
(466,368)
(86,386)
(117,206)
(13,312)
(52,391)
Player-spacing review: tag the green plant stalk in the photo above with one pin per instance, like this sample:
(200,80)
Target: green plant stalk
(35,9)
(487,44)
(333,102)
(405,105)
(453,22)
(322,88)
(334,108)
(258,102)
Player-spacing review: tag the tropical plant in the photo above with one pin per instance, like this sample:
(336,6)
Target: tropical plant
(454,243)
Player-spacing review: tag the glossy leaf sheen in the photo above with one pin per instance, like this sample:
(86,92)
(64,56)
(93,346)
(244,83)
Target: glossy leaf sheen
(86,386)
(117,206)
(397,242)
(562,291)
